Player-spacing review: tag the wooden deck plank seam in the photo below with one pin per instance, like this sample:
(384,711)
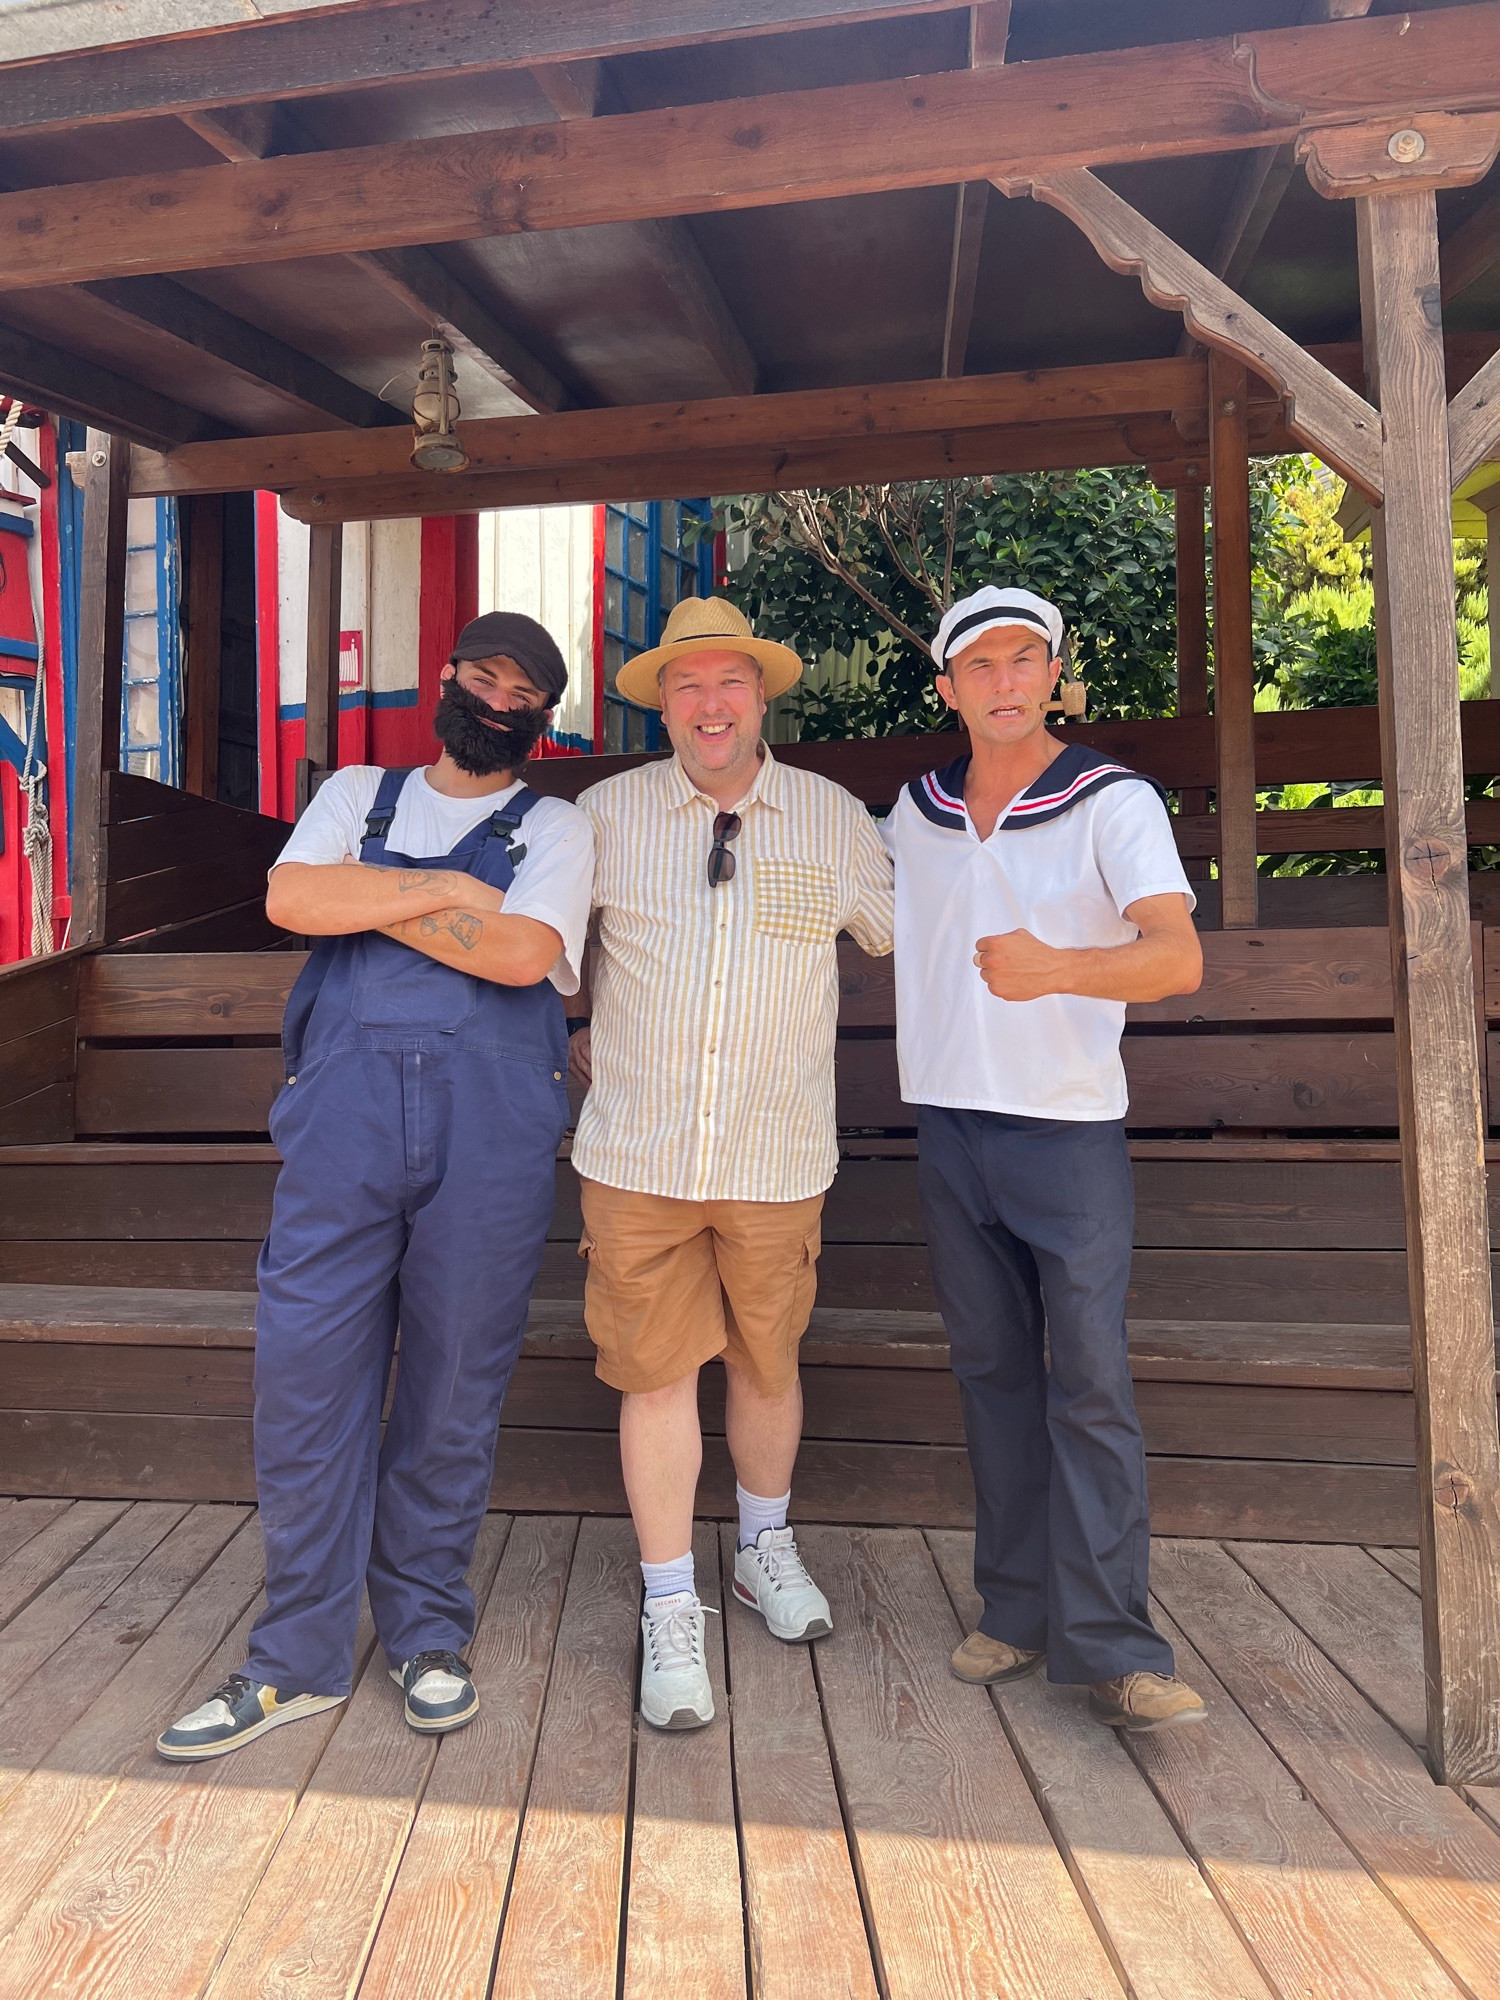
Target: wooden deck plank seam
(726,1594)
(627,1844)
(851,1840)
(1314,1798)
(1060,1838)
(524,1806)
(1312,1639)
(46,1576)
(376,1665)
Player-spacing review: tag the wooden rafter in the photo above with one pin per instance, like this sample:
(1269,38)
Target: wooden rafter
(1152,103)
(1266,175)
(74,387)
(1474,421)
(422,282)
(1332,419)
(1472,249)
(259,357)
(586,90)
(989,31)
(263,60)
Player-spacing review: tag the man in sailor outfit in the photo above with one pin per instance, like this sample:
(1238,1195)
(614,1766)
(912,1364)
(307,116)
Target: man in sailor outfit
(1038,890)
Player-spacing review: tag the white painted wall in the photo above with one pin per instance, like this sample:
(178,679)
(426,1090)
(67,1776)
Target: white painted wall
(540,561)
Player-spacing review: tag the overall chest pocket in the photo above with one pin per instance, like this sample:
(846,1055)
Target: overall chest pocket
(396,987)
(796,902)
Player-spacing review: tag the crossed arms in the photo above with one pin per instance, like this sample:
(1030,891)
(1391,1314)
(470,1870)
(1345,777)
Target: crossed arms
(441,912)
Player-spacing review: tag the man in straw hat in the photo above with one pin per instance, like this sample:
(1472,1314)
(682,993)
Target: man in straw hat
(1038,890)
(708,1137)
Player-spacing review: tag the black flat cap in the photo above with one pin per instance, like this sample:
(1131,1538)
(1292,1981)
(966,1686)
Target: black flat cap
(518,638)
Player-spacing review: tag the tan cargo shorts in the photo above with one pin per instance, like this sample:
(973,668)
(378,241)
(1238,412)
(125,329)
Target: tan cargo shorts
(673,1283)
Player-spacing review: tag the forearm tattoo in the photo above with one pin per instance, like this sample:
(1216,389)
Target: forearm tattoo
(409,879)
(461,925)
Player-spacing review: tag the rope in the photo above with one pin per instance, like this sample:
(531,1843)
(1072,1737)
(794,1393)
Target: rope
(10,423)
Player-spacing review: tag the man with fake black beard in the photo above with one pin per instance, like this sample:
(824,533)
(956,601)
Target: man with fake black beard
(418,1127)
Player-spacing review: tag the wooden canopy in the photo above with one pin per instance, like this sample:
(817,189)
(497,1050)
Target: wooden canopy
(730,244)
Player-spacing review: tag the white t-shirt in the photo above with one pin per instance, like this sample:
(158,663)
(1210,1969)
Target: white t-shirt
(1068,880)
(555,879)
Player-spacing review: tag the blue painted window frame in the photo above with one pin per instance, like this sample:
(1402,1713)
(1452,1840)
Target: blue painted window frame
(646,571)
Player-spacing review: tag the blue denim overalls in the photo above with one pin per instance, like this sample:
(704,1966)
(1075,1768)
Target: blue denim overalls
(418,1130)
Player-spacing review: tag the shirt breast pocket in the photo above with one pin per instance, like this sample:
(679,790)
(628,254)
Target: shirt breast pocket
(796,902)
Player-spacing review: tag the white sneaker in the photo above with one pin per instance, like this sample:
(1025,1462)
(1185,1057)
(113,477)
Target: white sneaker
(770,1578)
(675,1692)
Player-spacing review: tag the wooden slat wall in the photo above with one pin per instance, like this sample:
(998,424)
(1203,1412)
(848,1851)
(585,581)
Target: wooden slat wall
(38,1009)
(173,859)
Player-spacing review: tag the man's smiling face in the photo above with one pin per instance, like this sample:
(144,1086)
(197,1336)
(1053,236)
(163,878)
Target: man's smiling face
(1000,684)
(712,704)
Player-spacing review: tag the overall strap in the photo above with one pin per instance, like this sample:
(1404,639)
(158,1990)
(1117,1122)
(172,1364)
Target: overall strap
(380,816)
(505,824)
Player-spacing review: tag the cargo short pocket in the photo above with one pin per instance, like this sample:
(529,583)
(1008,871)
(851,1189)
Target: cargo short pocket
(796,902)
(598,1306)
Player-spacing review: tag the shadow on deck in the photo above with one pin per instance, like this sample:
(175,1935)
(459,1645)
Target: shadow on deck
(856,1822)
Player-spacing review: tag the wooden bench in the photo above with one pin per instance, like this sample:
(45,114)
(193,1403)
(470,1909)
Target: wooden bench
(148,1394)
(1268,1298)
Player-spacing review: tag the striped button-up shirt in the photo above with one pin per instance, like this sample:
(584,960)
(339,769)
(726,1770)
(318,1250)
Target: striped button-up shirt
(715,1009)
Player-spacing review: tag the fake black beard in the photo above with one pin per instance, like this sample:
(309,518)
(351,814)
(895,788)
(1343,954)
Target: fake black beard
(482,740)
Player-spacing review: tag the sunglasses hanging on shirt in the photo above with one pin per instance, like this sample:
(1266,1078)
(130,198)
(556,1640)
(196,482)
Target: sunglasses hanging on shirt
(720,856)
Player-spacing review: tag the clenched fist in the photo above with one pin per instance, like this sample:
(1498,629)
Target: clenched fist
(1018,966)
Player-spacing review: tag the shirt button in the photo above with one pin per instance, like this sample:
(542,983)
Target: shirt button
(291,1079)
(557,1076)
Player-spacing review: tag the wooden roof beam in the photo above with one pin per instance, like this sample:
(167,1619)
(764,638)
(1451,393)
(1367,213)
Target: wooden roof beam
(586,90)
(1149,103)
(1472,249)
(717,424)
(769,468)
(989,31)
(1264,179)
(422,282)
(196,322)
(259,61)
(73,387)
(1331,418)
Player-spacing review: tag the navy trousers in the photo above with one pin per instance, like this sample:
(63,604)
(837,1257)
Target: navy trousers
(1029,1227)
(418,1182)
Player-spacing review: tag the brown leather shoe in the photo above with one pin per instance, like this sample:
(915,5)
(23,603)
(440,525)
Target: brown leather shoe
(986,1662)
(1145,1701)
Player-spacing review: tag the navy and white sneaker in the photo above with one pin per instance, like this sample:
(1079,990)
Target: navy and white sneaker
(235,1714)
(440,1691)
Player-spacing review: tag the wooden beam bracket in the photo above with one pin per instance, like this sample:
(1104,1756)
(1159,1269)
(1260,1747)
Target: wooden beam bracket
(1331,418)
(1436,149)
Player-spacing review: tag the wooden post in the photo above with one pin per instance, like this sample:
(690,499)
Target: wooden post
(1234,666)
(204,647)
(325,557)
(101,668)
(1442,1137)
(1192,634)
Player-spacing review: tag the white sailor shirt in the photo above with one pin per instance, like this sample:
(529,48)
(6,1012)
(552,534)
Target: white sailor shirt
(1066,859)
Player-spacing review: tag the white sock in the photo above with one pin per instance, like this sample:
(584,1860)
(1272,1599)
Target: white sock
(667,1579)
(757,1514)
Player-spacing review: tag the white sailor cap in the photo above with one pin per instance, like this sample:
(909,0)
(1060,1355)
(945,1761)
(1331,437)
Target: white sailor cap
(992,606)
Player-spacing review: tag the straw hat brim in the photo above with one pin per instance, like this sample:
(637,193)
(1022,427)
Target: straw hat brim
(779,665)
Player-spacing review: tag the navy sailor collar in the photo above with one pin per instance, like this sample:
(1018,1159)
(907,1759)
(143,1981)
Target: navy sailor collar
(1076,774)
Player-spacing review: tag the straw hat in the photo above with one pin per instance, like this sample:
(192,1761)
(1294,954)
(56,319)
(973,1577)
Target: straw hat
(706,625)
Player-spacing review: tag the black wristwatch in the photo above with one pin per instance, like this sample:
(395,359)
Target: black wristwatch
(573,1022)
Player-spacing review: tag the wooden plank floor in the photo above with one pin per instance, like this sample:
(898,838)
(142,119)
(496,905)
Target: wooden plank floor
(856,1823)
